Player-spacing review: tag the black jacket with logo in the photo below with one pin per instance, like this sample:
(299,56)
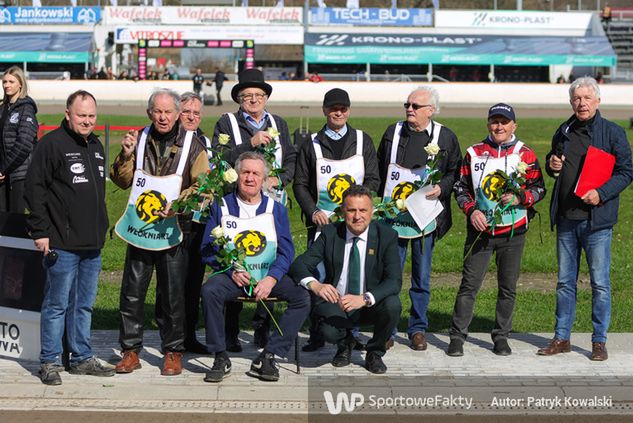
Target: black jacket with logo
(65,191)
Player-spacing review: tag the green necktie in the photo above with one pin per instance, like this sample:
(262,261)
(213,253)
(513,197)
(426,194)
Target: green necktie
(353,269)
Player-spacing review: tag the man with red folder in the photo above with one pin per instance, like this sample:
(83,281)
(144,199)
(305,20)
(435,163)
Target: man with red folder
(585,222)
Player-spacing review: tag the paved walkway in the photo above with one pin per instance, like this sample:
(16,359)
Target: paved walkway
(480,382)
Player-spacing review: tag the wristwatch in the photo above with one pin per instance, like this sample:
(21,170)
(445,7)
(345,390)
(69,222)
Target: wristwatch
(367,299)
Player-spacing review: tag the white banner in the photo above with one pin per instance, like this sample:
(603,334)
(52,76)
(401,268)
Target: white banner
(287,35)
(19,334)
(508,19)
(172,15)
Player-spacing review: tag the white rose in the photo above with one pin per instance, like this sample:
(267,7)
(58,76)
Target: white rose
(230,176)
(522,168)
(224,139)
(272,132)
(400,205)
(217,232)
(432,149)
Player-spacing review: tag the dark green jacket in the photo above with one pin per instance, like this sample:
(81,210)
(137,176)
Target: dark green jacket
(383,274)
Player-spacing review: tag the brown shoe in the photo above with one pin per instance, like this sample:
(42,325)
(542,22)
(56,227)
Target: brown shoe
(172,364)
(599,351)
(129,362)
(555,346)
(418,341)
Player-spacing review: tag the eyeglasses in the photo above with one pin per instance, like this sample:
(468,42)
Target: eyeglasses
(249,97)
(190,113)
(416,106)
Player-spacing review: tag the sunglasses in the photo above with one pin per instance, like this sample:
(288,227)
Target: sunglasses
(416,106)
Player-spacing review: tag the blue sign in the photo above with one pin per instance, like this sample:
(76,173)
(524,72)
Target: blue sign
(371,16)
(50,15)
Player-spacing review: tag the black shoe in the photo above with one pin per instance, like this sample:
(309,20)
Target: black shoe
(501,347)
(455,348)
(49,373)
(359,346)
(343,355)
(233,345)
(264,367)
(193,346)
(92,367)
(221,369)
(374,364)
(312,346)
(260,336)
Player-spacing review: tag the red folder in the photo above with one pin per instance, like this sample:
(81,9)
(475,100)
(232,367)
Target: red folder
(596,170)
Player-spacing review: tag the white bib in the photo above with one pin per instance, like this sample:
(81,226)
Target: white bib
(399,185)
(256,235)
(139,225)
(334,177)
(481,169)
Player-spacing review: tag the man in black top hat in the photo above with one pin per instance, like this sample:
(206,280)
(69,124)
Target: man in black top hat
(249,130)
(337,149)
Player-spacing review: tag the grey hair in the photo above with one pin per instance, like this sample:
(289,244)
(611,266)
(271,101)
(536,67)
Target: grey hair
(585,81)
(434,96)
(163,91)
(252,155)
(188,96)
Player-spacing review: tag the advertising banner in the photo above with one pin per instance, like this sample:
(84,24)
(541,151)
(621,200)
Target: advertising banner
(509,19)
(458,50)
(287,35)
(371,16)
(46,47)
(134,15)
(49,15)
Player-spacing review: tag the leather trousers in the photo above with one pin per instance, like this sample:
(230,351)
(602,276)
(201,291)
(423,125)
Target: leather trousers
(171,269)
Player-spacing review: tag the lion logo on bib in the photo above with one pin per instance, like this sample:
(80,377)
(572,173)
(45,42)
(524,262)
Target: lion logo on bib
(148,203)
(252,242)
(402,191)
(337,185)
(491,184)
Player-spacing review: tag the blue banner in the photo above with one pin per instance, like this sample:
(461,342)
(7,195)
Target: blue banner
(460,49)
(50,15)
(371,16)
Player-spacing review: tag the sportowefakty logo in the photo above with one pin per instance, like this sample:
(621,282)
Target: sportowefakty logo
(343,400)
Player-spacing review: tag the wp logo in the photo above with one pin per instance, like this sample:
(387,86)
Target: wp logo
(343,400)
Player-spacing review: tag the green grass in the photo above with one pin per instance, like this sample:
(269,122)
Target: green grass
(534,310)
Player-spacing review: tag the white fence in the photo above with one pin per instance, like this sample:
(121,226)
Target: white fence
(303,92)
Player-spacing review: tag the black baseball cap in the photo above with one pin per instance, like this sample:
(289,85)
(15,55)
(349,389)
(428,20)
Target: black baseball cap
(502,109)
(336,96)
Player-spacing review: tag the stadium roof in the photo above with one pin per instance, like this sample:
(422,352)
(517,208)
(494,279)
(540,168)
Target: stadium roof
(46,47)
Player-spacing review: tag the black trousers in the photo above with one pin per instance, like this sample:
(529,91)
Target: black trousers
(12,196)
(171,268)
(508,259)
(195,275)
(218,91)
(335,324)
(220,289)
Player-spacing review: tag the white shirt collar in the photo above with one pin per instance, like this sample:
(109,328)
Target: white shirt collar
(362,236)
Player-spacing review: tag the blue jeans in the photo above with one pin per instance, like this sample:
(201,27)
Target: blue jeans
(69,294)
(420,291)
(572,237)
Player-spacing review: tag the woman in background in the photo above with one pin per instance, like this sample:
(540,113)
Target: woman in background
(18,134)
